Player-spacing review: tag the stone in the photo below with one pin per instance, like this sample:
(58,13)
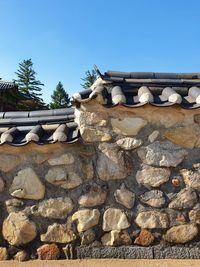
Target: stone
(152,177)
(48,252)
(68,251)
(114,219)
(194,215)
(2,185)
(54,208)
(191,178)
(58,176)
(145,238)
(127,126)
(95,197)
(58,233)
(27,185)
(152,220)
(21,255)
(87,237)
(92,119)
(185,199)
(186,136)
(86,219)
(125,197)
(66,158)
(153,198)
(129,143)
(162,154)
(112,163)
(176,182)
(90,134)
(153,136)
(87,168)
(181,234)
(18,229)
(8,162)
(3,254)
(40,158)
(13,205)
(116,238)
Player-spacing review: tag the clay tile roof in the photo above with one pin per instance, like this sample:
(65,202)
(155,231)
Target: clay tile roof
(6,85)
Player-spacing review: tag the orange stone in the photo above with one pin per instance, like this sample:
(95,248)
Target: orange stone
(180,218)
(176,182)
(145,238)
(48,252)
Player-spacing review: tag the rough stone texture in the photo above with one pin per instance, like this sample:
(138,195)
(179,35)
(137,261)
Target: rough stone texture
(125,197)
(90,134)
(68,251)
(181,233)
(176,182)
(21,255)
(116,238)
(13,205)
(163,154)
(128,126)
(153,198)
(48,252)
(191,178)
(145,238)
(176,252)
(87,237)
(2,185)
(152,219)
(58,176)
(152,177)
(187,136)
(58,233)
(92,119)
(66,158)
(153,136)
(87,168)
(27,185)
(8,162)
(186,198)
(95,197)
(129,143)
(86,219)
(114,219)
(18,229)
(3,254)
(112,163)
(55,208)
(194,214)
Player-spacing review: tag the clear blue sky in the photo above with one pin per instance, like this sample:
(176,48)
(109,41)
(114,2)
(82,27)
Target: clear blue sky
(65,38)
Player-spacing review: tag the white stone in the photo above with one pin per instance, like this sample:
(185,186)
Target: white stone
(66,158)
(114,219)
(153,136)
(125,197)
(186,198)
(129,143)
(86,219)
(152,219)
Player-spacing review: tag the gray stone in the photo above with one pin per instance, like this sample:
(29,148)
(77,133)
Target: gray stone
(152,177)
(185,199)
(153,136)
(112,163)
(125,197)
(95,197)
(153,198)
(13,205)
(152,219)
(8,162)
(2,185)
(66,158)
(86,219)
(91,134)
(87,168)
(164,154)
(191,178)
(114,219)
(129,143)
(87,237)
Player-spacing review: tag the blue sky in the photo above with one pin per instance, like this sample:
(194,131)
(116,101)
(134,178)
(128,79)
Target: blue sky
(65,38)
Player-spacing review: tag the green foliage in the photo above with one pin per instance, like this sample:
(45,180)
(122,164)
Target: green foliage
(27,82)
(60,98)
(89,79)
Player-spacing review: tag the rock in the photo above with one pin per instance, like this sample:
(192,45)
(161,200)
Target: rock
(21,255)
(125,197)
(114,219)
(3,254)
(2,185)
(176,182)
(129,143)
(152,219)
(153,198)
(27,185)
(95,197)
(48,252)
(8,162)
(186,136)
(181,234)
(194,215)
(54,208)
(163,154)
(13,205)
(90,134)
(87,168)
(92,119)
(112,163)
(87,150)
(127,126)
(86,219)
(153,136)
(152,177)
(191,178)
(185,199)
(68,251)
(59,177)
(66,158)
(18,229)
(145,238)
(87,237)
(40,158)
(116,238)
(58,233)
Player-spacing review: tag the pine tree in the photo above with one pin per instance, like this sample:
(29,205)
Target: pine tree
(27,82)
(60,98)
(89,79)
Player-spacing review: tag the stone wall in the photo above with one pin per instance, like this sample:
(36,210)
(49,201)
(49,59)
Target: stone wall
(133,180)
